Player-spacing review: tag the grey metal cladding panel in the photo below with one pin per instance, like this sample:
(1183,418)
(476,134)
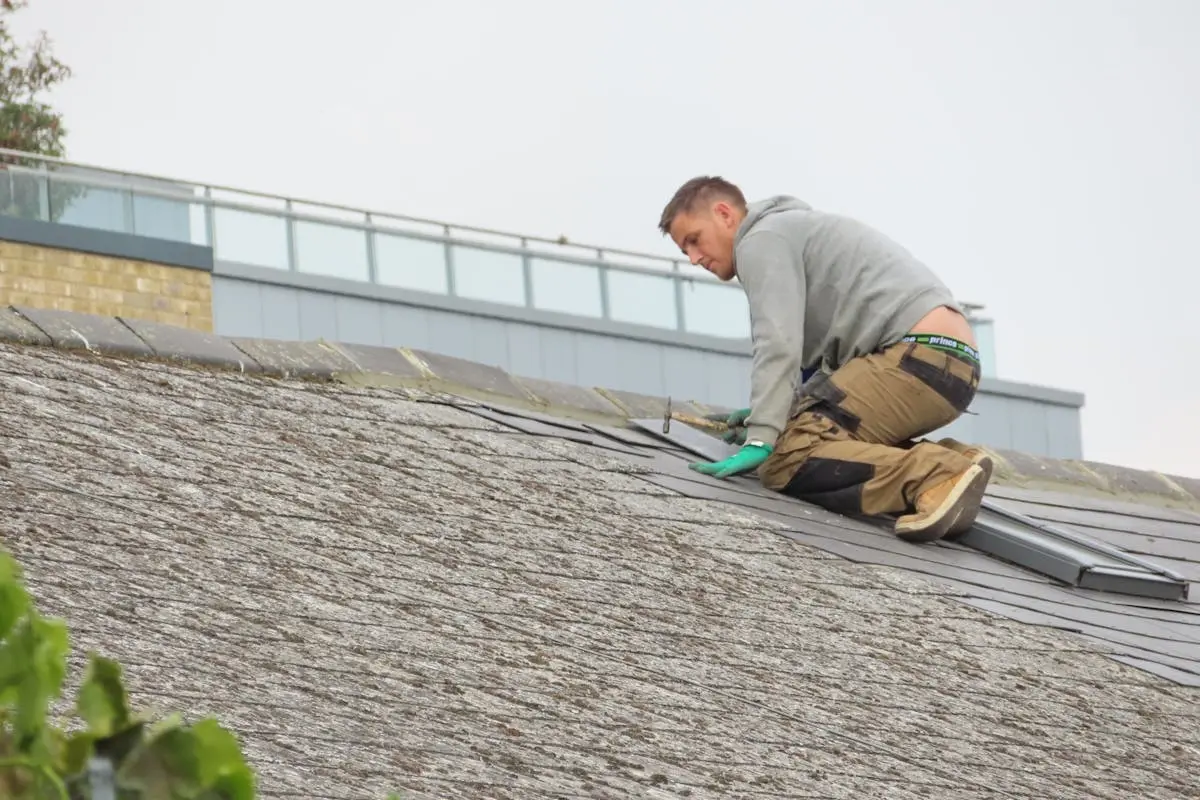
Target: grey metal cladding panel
(1029,431)
(280,311)
(405,326)
(1064,433)
(620,364)
(639,366)
(491,343)
(237,308)
(962,429)
(318,316)
(359,321)
(559,357)
(449,335)
(106,243)
(524,349)
(687,373)
(992,420)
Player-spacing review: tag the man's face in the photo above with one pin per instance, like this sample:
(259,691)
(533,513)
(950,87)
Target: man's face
(706,237)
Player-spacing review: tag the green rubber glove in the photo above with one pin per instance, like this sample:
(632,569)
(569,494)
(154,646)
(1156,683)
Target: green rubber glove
(736,421)
(750,457)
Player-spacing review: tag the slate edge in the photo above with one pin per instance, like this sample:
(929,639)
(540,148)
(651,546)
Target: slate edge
(376,366)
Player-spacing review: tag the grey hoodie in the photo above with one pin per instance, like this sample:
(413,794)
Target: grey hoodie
(821,288)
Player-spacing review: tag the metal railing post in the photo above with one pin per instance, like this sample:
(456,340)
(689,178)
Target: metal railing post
(372,265)
(293,262)
(129,213)
(527,272)
(451,288)
(605,302)
(677,279)
(210,219)
(44,205)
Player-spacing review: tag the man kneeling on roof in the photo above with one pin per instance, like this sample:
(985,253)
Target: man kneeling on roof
(899,357)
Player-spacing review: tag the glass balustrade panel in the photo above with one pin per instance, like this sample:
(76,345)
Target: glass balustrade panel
(565,287)
(488,275)
(410,263)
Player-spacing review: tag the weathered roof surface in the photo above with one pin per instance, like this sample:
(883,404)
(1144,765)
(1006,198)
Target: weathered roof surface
(379,590)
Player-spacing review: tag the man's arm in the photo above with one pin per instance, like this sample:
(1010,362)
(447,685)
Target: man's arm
(775,288)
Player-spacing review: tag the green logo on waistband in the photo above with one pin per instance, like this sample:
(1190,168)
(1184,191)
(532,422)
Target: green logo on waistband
(943,343)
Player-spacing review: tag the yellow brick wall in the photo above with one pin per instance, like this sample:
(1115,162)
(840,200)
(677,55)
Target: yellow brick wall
(44,277)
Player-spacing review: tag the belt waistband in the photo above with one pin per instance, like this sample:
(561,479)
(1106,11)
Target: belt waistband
(945,344)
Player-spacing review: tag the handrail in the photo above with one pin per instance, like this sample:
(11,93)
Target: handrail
(337,207)
(366,227)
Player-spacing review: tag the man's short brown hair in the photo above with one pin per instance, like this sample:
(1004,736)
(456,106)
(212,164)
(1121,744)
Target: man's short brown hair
(704,189)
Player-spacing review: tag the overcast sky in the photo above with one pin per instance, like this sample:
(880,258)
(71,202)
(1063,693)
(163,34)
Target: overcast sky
(1040,155)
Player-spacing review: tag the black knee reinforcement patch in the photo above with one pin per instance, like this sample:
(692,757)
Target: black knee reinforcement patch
(831,483)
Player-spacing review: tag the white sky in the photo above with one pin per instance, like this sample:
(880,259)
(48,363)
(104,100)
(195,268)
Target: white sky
(1041,155)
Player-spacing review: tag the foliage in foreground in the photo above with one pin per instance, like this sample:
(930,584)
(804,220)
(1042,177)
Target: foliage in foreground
(113,753)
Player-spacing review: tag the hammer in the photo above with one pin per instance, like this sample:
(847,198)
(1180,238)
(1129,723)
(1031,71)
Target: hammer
(688,419)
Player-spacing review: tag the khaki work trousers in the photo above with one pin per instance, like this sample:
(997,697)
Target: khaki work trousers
(848,446)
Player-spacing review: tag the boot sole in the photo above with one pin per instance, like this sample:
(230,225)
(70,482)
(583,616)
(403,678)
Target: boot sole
(961,505)
(967,518)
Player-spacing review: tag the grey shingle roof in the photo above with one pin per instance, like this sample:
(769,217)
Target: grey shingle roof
(380,590)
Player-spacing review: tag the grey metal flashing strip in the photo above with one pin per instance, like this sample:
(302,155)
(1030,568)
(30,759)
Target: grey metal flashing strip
(1048,549)
(106,243)
(1069,556)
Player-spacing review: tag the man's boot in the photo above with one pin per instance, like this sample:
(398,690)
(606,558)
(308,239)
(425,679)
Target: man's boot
(951,505)
(977,454)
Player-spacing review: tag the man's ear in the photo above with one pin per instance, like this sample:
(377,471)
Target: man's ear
(724,212)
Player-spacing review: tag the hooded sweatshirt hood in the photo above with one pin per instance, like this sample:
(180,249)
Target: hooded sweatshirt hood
(759,209)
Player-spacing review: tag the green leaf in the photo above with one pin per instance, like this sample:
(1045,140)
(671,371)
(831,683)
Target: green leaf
(32,668)
(102,702)
(163,764)
(222,767)
(75,752)
(14,600)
